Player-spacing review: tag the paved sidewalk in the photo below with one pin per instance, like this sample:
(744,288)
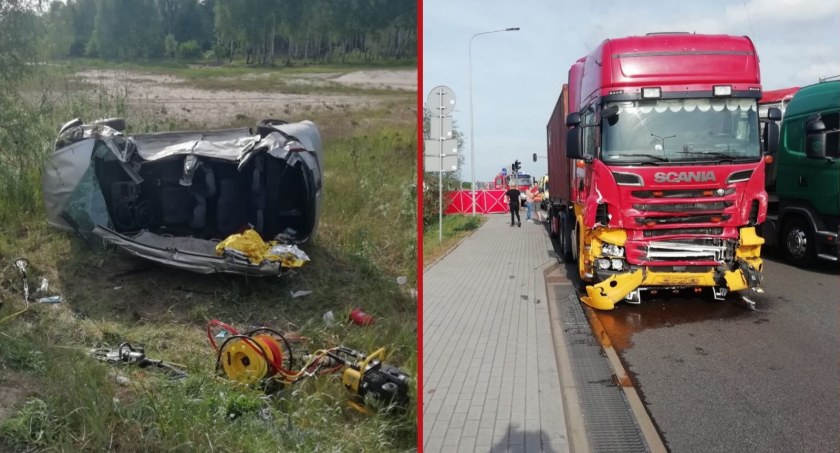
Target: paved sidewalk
(490,375)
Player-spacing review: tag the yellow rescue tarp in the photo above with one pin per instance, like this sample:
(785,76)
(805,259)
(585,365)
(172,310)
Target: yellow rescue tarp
(250,244)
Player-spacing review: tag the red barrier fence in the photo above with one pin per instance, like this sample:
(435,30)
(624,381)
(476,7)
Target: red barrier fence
(487,202)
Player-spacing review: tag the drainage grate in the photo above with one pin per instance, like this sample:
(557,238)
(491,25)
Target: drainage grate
(610,425)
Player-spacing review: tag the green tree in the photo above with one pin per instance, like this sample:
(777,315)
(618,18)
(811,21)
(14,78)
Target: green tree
(128,29)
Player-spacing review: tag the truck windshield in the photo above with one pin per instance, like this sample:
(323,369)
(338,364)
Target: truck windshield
(682,130)
(520,180)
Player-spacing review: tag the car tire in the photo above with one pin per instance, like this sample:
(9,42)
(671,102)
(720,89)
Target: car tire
(798,242)
(266,126)
(117,124)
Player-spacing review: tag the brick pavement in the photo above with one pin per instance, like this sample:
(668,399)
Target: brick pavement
(490,375)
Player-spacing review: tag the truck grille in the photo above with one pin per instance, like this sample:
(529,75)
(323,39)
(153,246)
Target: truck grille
(692,249)
(683,207)
(680,193)
(676,231)
(704,218)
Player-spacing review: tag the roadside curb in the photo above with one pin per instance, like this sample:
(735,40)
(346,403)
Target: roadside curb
(575,427)
(645,423)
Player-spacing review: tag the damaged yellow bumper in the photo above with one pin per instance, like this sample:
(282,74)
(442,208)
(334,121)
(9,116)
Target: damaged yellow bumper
(604,295)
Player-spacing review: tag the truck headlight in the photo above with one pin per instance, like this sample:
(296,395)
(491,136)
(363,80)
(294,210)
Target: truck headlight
(617,264)
(603,263)
(612,250)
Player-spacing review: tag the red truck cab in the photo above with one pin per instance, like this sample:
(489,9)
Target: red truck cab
(666,177)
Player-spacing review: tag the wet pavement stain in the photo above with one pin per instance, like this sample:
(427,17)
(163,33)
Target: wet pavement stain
(666,311)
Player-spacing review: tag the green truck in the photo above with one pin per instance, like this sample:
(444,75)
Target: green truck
(803,179)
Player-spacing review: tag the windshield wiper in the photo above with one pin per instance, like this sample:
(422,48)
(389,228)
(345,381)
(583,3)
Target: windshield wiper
(652,156)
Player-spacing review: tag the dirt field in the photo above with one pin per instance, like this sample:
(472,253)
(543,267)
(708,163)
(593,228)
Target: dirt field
(173,98)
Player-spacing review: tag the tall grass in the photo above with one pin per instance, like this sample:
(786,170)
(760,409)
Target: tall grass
(366,238)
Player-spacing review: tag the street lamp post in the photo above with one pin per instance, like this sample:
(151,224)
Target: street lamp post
(472,133)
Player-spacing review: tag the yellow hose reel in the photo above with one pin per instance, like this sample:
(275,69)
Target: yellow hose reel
(251,359)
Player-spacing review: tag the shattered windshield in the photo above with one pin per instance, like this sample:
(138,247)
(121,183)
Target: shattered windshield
(682,130)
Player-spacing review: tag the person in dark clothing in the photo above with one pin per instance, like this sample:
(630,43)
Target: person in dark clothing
(512,196)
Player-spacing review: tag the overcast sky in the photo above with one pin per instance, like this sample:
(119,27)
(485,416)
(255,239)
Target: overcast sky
(517,75)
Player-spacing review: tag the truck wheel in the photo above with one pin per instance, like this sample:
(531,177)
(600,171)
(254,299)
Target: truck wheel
(797,242)
(573,244)
(566,234)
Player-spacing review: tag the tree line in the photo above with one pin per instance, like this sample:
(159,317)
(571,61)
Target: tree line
(259,31)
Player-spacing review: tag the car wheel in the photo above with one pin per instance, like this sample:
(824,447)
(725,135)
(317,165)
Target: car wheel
(798,242)
(114,123)
(267,126)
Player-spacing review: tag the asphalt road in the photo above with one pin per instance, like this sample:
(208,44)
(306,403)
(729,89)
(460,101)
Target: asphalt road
(716,377)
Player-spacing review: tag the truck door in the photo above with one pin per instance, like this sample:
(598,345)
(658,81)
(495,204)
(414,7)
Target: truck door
(814,180)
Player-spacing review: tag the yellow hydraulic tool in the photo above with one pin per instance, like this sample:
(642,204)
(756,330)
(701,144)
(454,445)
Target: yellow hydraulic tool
(264,356)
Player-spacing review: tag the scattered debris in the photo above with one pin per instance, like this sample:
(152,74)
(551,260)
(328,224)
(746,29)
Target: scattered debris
(128,354)
(45,285)
(329,318)
(119,378)
(294,337)
(402,280)
(361,318)
(299,293)
(50,300)
(21,264)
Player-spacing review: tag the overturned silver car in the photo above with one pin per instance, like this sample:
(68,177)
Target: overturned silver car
(172,197)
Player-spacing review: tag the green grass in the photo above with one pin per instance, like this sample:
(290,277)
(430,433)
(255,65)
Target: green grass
(455,228)
(67,402)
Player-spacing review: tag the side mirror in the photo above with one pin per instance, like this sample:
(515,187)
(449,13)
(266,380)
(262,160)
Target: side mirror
(774,114)
(815,139)
(573,142)
(770,137)
(573,120)
(609,112)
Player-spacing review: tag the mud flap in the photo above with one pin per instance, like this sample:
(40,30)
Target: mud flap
(606,294)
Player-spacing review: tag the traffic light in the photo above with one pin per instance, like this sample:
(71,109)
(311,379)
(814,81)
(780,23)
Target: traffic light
(516,165)
(535,157)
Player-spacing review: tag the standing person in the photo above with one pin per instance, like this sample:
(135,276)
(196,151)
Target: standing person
(535,202)
(529,203)
(512,198)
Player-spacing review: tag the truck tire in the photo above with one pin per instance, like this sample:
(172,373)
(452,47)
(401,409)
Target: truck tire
(554,225)
(566,233)
(574,243)
(798,242)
